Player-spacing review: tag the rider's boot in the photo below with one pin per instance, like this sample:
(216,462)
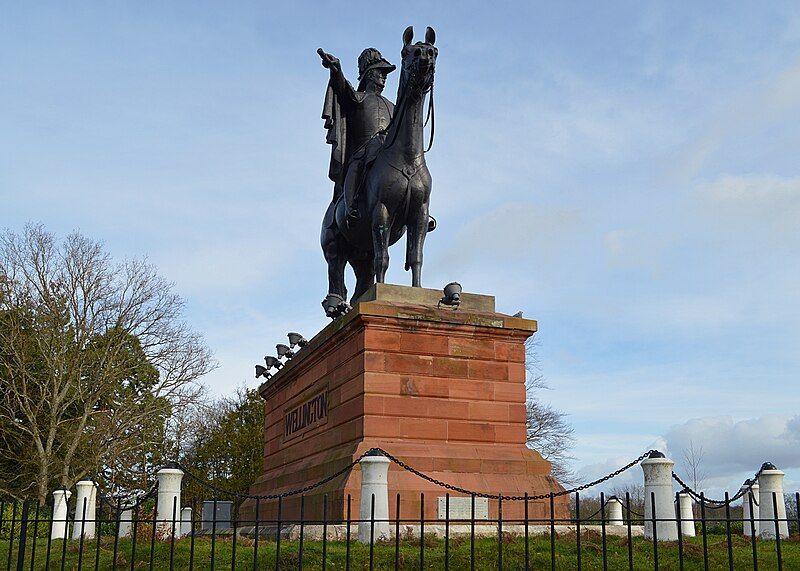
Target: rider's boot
(353,215)
(352,185)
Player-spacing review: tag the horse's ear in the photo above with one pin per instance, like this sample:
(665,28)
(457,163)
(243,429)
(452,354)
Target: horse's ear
(430,36)
(408,35)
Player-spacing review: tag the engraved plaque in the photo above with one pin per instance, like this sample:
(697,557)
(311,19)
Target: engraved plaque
(461,507)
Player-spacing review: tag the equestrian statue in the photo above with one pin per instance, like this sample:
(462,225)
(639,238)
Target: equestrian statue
(382,186)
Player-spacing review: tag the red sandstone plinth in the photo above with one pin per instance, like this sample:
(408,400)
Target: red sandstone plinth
(441,389)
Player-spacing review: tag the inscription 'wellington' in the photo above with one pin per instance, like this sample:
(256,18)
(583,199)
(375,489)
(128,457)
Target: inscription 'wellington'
(310,413)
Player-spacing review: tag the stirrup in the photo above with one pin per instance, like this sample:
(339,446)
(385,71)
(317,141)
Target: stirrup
(431,223)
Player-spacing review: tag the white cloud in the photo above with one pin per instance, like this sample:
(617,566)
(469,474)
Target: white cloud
(514,232)
(731,451)
(765,199)
(731,446)
(752,111)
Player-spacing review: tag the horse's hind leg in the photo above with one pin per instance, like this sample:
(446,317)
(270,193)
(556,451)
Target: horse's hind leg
(380,241)
(365,276)
(417,229)
(333,250)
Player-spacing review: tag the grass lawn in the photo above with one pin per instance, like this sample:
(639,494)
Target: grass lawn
(486,554)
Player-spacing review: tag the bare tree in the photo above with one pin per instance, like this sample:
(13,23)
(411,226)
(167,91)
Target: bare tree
(548,430)
(94,358)
(693,458)
(224,442)
(636,494)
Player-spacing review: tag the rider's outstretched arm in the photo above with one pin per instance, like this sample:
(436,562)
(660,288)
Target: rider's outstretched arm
(343,89)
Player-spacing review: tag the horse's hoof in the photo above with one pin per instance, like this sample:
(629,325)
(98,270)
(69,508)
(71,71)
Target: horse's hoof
(335,306)
(330,304)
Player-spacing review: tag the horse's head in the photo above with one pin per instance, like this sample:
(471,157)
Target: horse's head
(419,62)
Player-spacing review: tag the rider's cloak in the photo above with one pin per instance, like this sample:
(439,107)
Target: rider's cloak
(336,125)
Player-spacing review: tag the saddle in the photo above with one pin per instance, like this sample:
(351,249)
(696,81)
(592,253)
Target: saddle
(367,153)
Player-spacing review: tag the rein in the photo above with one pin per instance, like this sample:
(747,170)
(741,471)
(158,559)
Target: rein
(402,104)
(400,111)
(432,117)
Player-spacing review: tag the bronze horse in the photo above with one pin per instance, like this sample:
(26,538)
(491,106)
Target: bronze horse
(395,191)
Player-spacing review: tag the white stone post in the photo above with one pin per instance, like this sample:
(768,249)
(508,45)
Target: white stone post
(126,522)
(169,497)
(684,508)
(60,528)
(614,511)
(658,483)
(746,502)
(771,480)
(84,522)
(186,521)
(374,483)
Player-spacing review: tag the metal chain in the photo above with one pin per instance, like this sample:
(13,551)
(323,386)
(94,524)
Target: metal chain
(609,476)
(375,451)
(112,502)
(746,487)
(127,506)
(302,490)
(607,501)
(591,517)
(512,498)
(380,451)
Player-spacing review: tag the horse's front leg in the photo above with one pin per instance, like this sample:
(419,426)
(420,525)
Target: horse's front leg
(333,250)
(380,241)
(417,229)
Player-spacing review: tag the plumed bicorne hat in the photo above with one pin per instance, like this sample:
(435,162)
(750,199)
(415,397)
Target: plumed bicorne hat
(371,58)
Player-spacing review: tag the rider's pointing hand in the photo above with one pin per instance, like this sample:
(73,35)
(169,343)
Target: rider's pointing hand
(329,61)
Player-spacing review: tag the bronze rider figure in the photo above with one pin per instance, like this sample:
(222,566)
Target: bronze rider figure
(356,121)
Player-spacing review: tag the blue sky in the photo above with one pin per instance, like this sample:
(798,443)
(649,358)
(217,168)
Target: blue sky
(625,173)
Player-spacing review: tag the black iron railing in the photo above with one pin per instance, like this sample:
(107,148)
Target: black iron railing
(320,532)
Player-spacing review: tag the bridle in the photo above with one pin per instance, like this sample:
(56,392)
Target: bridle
(423,83)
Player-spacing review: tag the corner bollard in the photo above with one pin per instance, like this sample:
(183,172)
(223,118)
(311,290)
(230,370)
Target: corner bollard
(186,521)
(614,511)
(374,483)
(84,522)
(169,498)
(125,522)
(746,503)
(684,508)
(60,528)
(657,470)
(771,480)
